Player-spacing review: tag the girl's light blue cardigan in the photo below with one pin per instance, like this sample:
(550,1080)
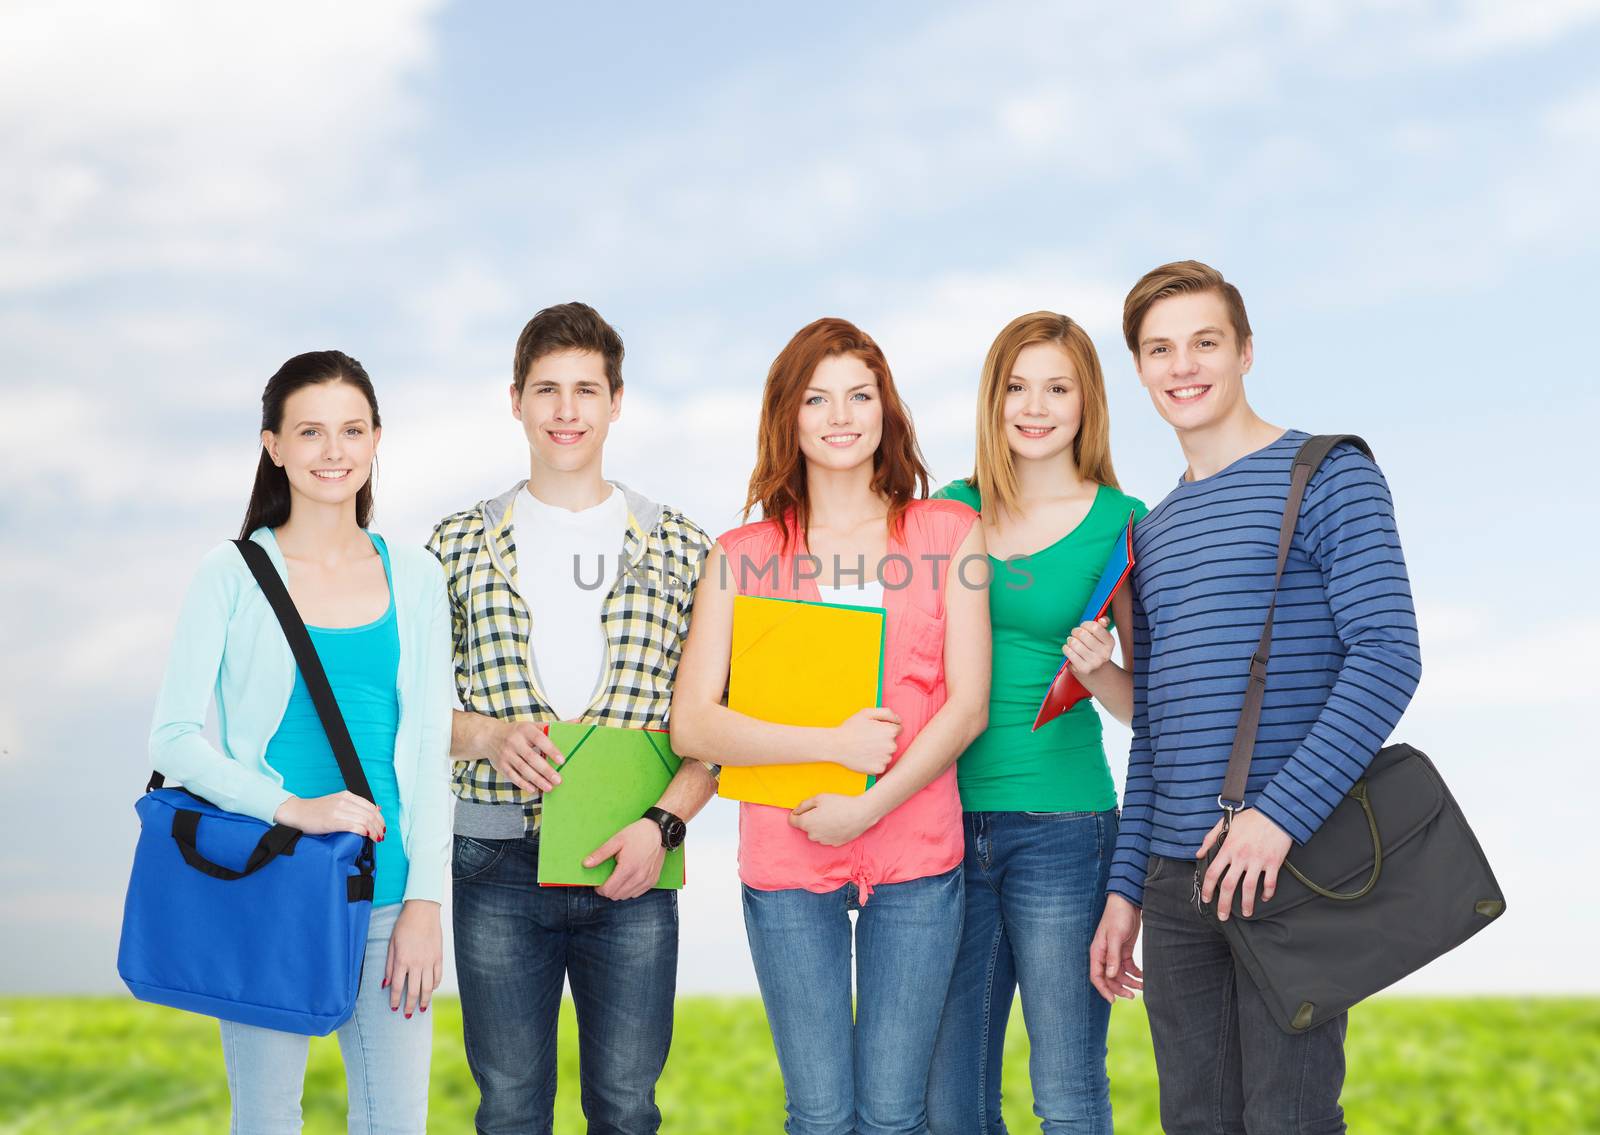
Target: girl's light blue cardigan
(229,646)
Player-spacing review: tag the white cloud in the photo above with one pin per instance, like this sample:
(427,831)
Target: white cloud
(119,642)
(456,307)
(940,329)
(13,742)
(1492,27)
(184,134)
(1473,658)
(949,112)
(1574,120)
(693,451)
(67,446)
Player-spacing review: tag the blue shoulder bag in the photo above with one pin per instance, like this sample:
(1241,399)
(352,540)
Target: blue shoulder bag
(251,922)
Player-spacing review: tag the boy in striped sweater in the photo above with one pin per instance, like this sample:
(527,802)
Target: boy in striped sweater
(1345,662)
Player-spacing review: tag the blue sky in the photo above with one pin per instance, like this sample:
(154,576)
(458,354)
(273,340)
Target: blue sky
(1403,192)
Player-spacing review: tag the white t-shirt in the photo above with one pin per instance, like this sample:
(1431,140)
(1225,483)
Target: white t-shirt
(869,594)
(566,564)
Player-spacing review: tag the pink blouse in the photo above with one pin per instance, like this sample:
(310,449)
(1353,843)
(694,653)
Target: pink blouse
(922,836)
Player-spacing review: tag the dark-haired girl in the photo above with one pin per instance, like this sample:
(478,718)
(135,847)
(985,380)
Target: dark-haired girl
(378,620)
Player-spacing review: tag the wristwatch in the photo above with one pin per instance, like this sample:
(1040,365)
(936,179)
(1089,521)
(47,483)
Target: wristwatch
(672,828)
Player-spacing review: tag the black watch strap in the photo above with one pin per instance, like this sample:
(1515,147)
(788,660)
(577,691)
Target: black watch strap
(672,827)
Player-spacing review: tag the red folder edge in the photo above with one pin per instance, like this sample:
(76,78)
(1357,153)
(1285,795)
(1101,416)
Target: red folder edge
(1065,690)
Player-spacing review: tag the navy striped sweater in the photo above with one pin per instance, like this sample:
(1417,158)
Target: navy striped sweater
(1345,657)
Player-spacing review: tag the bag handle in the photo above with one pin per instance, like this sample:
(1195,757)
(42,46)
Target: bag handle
(305,657)
(1306,461)
(1359,791)
(275,841)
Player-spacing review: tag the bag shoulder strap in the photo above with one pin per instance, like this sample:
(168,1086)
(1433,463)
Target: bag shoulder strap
(1306,462)
(305,656)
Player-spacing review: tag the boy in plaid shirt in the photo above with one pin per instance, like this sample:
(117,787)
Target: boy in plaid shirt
(570,597)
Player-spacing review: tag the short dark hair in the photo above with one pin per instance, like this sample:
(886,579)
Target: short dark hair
(568,327)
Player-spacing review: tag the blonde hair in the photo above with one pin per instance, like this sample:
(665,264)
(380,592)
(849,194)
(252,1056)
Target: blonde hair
(995,475)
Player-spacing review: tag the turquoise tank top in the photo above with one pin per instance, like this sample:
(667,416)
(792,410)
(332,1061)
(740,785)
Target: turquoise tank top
(363,666)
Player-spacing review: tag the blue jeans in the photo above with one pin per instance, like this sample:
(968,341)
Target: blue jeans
(870,1075)
(1036,886)
(385,1059)
(516,943)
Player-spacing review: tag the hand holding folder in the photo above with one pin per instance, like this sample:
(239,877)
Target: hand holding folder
(1066,691)
(610,777)
(797,662)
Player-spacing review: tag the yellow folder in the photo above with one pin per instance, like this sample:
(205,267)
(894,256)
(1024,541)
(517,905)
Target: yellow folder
(801,663)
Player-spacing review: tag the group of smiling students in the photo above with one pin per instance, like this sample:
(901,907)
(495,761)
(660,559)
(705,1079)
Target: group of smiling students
(986,858)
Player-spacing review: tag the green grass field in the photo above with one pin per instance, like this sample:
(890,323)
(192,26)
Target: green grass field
(1495,1066)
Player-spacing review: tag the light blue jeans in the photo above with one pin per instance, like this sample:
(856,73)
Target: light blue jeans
(870,1075)
(385,1059)
(1036,886)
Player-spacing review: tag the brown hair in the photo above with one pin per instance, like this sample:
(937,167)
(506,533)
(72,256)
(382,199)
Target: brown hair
(568,327)
(778,483)
(270,498)
(995,475)
(1181,277)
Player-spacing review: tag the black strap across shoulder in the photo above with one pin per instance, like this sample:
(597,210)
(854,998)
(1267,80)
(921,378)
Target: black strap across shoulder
(305,657)
(1306,462)
(281,839)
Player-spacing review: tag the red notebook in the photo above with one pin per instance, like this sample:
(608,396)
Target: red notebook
(1066,691)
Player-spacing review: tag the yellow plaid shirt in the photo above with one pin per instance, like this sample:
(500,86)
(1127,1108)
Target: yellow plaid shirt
(645,618)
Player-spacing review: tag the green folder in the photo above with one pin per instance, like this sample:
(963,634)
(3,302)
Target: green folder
(610,777)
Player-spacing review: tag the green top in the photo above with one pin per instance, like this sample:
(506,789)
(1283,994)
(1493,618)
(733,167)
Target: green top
(1034,602)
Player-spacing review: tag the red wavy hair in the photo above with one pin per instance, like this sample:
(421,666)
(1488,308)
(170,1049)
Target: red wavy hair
(778,483)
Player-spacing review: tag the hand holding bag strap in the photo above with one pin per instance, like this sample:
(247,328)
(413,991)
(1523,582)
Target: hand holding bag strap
(1306,461)
(305,656)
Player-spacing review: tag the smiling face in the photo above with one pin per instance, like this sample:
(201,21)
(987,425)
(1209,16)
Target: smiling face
(566,409)
(1191,361)
(1043,403)
(326,442)
(841,414)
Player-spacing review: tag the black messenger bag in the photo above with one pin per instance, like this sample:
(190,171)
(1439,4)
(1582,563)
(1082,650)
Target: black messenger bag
(1392,880)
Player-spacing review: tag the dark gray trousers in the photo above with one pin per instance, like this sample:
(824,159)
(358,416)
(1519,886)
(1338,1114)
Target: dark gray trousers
(1225,1068)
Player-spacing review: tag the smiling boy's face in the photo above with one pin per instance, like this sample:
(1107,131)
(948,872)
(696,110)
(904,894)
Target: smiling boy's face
(1191,361)
(566,408)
